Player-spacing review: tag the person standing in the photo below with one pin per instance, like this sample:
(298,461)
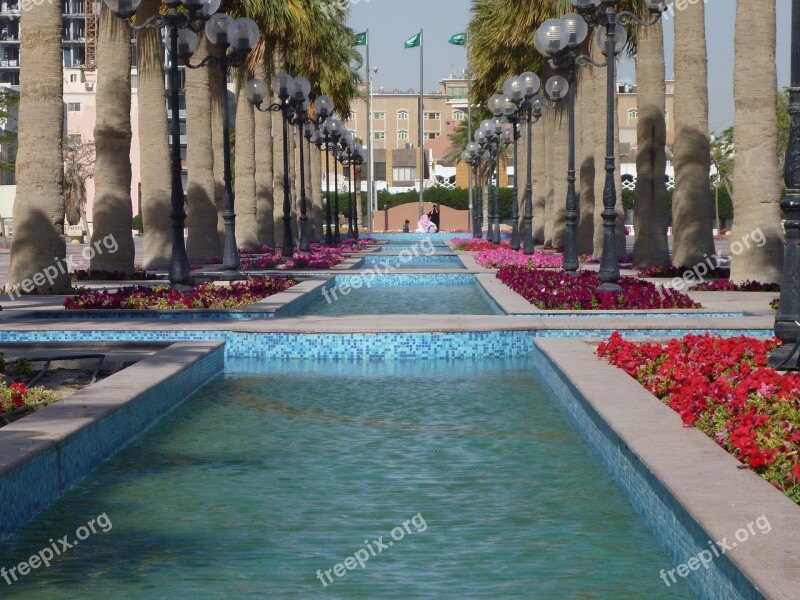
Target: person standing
(435,217)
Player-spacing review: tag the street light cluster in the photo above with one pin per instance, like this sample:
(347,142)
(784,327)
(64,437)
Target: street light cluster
(558,41)
(235,39)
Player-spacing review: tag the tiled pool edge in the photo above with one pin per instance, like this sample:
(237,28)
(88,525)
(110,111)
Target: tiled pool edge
(686,489)
(48,452)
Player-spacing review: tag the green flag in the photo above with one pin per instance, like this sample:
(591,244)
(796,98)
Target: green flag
(361,39)
(459,39)
(414,41)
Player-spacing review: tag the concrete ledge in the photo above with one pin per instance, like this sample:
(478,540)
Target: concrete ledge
(46,453)
(688,490)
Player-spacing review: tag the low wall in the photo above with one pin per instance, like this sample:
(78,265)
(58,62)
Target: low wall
(393,218)
(46,453)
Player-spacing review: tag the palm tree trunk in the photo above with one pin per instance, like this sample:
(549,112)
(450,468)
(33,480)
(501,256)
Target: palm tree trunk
(316,187)
(217,141)
(112,211)
(692,203)
(651,221)
(585,163)
(153,151)
(539,178)
(756,176)
(38,241)
(265,199)
(549,175)
(277,155)
(600,109)
(560,176)
(246,223)
(202,243)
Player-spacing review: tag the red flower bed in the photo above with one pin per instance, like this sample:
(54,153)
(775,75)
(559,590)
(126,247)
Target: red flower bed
(555,290)
(672,271)
(724,387)
(725,285)
(476,244)
(206,295)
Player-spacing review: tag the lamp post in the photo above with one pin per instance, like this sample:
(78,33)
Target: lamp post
(491,130)
(239,36)
(523,91)
(602,14)
(341,139)
(182,28)
(787,327)
(557,39)
(473,151)
(479,138)
(329,136)
(356,160)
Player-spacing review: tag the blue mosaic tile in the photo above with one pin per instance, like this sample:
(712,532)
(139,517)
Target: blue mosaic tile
(408,279)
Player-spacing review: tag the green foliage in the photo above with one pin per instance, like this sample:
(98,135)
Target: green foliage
(137,223)
(21,367)
(9,101)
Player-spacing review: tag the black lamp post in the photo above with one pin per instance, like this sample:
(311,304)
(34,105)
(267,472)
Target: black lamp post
(341,139)
(787,327)
(356,160)
(602,14)
(240,36)
(346,158)
(491,130)
(182,28)
(329,135)
(523,91)
(473,153)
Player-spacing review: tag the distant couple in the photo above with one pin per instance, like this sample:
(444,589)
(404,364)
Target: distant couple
(429,223)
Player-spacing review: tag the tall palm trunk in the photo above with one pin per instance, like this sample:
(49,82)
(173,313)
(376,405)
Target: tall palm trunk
(756,176)
(539,178)
(218,88)
(154,155)
(265,198)
(692,203)
(585,163)
(246,224)
(651,221)
(112,135)
(279,56)
(202,242)
(549,170)
(316,187)
(560,175)
(38,241)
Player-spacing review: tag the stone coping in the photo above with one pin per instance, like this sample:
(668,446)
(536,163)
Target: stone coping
(45,453)
(701,477)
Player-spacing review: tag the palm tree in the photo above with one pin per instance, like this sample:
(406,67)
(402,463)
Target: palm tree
(38,241)
(756,175)
(651,222)
(246,223)
(539,176)
(585,164)
(154,155)
(692,203)
(203,241)
(112,210)
(217,140)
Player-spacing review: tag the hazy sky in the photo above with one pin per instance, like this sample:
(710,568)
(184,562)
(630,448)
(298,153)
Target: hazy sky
(391,22)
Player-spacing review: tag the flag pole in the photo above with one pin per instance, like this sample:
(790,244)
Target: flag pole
(370,163)
(421,134)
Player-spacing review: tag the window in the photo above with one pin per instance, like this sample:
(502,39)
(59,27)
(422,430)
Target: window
(431,135)
(74,106)
(633,114)
(379,116)
(457,93)
(402,135)
(404,173)
(402,115)
(378,135)
(433,116)
(459,115)
(73,78)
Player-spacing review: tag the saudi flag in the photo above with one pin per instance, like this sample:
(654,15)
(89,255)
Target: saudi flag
(459,39)
(414,41)
(361,39)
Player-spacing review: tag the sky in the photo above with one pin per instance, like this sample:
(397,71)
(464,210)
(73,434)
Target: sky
(392,22)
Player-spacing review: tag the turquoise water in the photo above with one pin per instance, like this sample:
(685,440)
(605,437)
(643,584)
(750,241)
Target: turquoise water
(402,300)
(410,246)
(450,263)
(283,469)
